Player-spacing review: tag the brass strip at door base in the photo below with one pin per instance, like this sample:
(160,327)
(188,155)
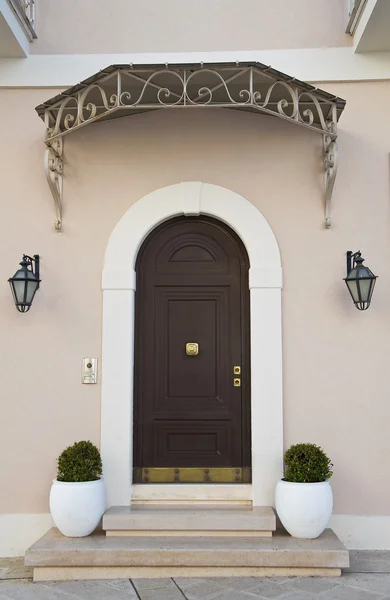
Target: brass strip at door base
(192,475)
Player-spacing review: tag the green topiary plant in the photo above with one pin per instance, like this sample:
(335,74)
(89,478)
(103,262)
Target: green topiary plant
(307,463)
(80,462)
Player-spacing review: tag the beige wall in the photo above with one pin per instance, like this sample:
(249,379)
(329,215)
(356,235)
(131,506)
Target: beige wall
(121,26)
(335,358)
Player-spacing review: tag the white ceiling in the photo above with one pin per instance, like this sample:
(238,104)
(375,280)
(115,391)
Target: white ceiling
(373,31)
(13,39)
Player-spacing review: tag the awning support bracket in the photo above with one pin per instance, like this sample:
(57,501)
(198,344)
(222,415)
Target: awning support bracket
(331,156)
(54,168)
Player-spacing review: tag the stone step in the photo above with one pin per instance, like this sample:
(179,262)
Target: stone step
(189,520)
(55,557)
(188,493)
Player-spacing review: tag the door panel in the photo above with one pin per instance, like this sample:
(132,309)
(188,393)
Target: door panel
(191,443)
(191,320)
(198,382)
(192,286)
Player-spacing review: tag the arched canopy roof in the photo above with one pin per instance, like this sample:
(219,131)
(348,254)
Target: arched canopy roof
(122,90)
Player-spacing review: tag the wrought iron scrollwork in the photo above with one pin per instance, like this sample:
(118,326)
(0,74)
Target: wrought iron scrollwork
(128,88)
(166,88)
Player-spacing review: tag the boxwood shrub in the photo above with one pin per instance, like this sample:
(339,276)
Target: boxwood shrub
(307,463)
(80,462)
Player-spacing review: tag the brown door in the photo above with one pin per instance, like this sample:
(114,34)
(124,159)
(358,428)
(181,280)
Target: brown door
(191,397)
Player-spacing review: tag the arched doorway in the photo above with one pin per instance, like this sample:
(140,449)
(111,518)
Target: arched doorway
(119,282)
(192,367)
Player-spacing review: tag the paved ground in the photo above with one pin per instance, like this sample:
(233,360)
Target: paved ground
(15,584)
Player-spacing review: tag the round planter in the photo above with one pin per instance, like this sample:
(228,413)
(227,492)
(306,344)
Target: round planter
(304,508)
(77,508)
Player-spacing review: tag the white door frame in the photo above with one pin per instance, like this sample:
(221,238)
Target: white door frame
(265,283)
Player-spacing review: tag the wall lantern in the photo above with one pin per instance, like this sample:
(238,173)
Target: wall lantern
(360,280)
(25,282)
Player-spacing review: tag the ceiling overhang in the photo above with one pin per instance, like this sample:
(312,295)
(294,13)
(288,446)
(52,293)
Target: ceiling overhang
(122,90)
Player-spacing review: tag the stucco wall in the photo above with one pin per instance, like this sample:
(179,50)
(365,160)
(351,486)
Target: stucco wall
(335,358)
(116,26)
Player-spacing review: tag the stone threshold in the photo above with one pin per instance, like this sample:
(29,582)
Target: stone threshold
(182,533)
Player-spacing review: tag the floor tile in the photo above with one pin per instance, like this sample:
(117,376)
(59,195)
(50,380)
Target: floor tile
(345,592)
(233,595)
(150,584)
(313,585)
(270,589)
(378,582)
(33,591)
(204,589)
(119,589)
(243,584)
(185,582)
(281,579)
(299,595)
(157,589)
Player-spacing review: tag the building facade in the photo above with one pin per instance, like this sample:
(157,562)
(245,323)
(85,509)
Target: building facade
(235,167)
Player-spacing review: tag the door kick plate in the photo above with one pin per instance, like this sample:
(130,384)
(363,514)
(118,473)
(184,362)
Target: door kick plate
(192,475)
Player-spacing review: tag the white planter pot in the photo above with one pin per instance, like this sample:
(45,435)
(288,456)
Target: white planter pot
(304,508)
(77,508)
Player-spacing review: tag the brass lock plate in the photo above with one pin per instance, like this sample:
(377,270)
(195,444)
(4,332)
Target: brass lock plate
(237,370)
(192,348)
(237,382)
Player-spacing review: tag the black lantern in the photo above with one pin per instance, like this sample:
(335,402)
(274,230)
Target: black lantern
(360,280)
(25,283)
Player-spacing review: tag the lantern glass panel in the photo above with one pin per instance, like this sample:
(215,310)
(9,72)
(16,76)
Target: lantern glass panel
(373,282)
(31,286)
(18,290)
(365,287)
(352,286)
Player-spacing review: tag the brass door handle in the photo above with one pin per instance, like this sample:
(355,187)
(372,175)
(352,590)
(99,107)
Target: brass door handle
(192,348)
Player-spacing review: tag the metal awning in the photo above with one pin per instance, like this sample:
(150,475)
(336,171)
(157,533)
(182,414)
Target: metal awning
(122,90)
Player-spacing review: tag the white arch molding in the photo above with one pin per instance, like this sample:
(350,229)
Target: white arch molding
(265,282)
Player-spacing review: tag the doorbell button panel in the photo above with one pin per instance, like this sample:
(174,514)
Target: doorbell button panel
(89,370)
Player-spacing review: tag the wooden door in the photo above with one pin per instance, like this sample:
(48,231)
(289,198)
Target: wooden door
(192,404)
